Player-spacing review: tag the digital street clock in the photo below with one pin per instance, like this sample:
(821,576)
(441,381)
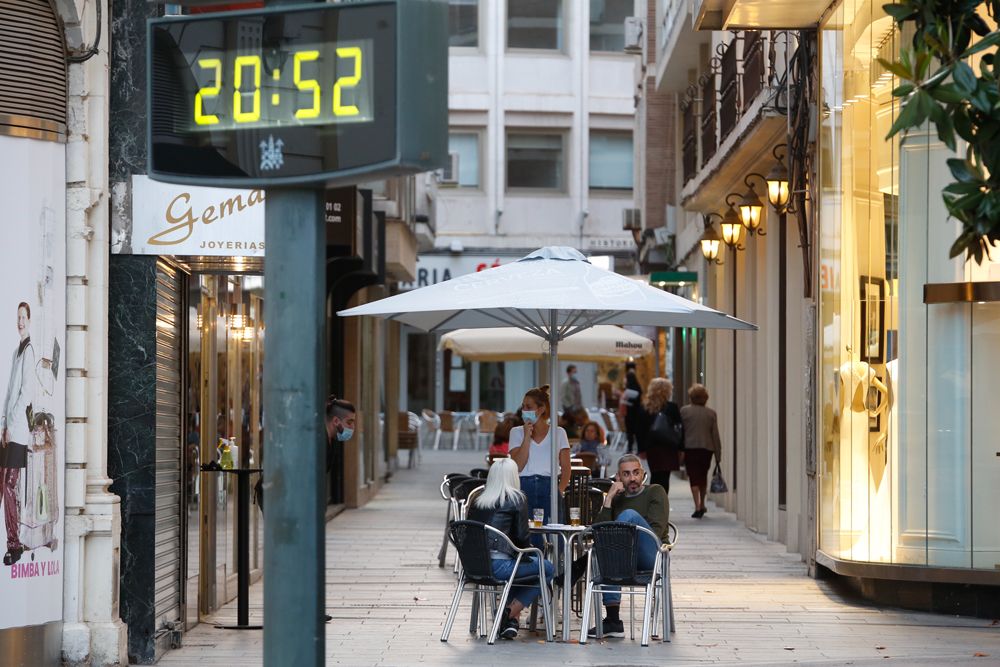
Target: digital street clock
(317,93)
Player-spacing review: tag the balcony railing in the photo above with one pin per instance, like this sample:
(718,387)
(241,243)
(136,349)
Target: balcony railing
(709,115)
(729,90)
(690,134)
(744,69)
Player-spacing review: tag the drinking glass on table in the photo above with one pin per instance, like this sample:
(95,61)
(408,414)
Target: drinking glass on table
(574,516)
(538,518)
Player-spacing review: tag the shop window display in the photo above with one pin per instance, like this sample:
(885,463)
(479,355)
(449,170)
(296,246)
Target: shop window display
(907,463)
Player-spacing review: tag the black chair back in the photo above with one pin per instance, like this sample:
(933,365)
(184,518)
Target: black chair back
(472,544)
(481,473)
(454,479)
(615,549)
(461,491)
(601,483)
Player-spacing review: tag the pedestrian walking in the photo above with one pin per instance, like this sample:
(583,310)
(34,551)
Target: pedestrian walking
(701,443)
(571,398)
(661,442)
(632,402)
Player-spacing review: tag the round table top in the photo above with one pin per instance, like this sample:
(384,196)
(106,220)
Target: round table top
(557,528)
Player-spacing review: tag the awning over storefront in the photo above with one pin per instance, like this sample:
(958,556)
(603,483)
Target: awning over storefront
(734,14)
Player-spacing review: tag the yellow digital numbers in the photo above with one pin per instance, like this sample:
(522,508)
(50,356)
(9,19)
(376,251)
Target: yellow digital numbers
(246,87)
(307,85)
(239,115)
(354,53)
(200,117)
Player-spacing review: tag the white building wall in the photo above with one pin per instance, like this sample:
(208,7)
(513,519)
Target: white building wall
(492,89)
(93,633)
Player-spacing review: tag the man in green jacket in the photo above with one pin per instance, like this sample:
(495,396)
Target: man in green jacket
(631,502)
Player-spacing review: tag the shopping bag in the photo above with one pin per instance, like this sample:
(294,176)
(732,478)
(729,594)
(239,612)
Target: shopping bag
(718,484)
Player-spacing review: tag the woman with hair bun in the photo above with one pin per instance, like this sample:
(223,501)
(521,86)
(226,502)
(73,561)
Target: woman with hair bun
(531,450)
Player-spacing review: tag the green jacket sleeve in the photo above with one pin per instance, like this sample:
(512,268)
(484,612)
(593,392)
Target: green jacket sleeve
(658,511)
(606,514)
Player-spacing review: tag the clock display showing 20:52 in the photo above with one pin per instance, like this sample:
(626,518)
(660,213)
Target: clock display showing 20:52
(315,85)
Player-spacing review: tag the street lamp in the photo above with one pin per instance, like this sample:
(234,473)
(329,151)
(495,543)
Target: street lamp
(751,207)
(710,240)
(732,226)
(777,182)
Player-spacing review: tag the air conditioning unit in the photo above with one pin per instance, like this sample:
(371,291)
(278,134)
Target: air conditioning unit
(632,219)
(633,35)
(449,175)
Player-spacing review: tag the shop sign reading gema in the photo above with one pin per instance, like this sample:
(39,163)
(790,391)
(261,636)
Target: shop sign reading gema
(317,93)
(187,220)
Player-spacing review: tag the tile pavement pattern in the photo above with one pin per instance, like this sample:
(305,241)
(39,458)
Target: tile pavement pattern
(739,600)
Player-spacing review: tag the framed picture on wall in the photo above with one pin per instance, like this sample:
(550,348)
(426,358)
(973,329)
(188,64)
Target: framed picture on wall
(872,323)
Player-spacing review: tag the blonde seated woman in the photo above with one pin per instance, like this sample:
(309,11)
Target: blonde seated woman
(503,506)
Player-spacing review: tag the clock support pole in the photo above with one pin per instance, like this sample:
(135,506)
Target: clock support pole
(294,429)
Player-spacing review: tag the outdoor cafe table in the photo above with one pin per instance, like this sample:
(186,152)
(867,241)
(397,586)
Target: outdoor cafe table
(568,535)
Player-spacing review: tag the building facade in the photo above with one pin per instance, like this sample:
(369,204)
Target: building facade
(541,118)
(852,419)
(59,584)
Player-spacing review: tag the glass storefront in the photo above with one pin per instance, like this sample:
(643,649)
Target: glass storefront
(224,402)
(909,471)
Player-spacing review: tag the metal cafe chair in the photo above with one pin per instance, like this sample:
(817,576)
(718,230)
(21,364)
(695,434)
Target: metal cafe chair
(408,436)
(432,423)
(450,481)
(612,561)
(460,493)
(485,425)
(472,544)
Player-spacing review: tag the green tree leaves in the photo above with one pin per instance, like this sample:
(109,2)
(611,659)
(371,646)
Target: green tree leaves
(939,84)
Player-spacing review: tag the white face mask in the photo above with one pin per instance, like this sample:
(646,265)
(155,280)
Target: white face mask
(529,416)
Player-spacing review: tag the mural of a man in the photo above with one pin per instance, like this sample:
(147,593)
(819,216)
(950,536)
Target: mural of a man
(16,434)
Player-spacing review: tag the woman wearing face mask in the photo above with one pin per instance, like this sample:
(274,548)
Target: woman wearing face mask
(531,450)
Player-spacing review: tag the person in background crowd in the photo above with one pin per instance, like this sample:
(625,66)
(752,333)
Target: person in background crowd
(502,505)
(632,399)
(592,441)
(662,458)
(571,399)
(531,451)
(501,435)
(701,443)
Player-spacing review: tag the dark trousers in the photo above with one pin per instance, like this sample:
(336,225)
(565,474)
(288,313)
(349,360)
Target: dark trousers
(662,478)
(11,505)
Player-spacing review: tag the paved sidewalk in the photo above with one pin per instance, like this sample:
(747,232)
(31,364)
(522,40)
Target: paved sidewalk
(739,599)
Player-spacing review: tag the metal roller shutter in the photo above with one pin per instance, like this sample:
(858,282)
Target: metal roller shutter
(169,450)
(32,70)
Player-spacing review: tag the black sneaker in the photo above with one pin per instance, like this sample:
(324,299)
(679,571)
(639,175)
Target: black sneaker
(611,629)
(509,628)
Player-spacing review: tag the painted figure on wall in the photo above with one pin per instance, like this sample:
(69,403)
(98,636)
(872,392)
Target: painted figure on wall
(17,420)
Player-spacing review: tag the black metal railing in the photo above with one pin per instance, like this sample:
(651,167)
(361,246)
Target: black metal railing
(753,65)
(729,90)
(743,69)
(690,138)
(709,140)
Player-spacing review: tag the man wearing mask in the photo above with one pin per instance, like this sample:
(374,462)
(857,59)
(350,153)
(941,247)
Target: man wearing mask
(571,399)
(339,420)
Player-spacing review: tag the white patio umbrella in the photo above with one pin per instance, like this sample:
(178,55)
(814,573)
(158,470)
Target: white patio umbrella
(553,293)
(603,342)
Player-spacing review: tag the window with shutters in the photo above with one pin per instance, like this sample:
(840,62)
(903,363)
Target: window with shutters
(32,71)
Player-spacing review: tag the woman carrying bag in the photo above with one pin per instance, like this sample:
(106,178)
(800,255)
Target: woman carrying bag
(701,433)
(661,442)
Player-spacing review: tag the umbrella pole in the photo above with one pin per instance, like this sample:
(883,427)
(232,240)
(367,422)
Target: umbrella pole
(554,416)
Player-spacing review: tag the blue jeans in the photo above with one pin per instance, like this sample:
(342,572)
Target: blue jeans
(537,489)
(645,558)
(502,568)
